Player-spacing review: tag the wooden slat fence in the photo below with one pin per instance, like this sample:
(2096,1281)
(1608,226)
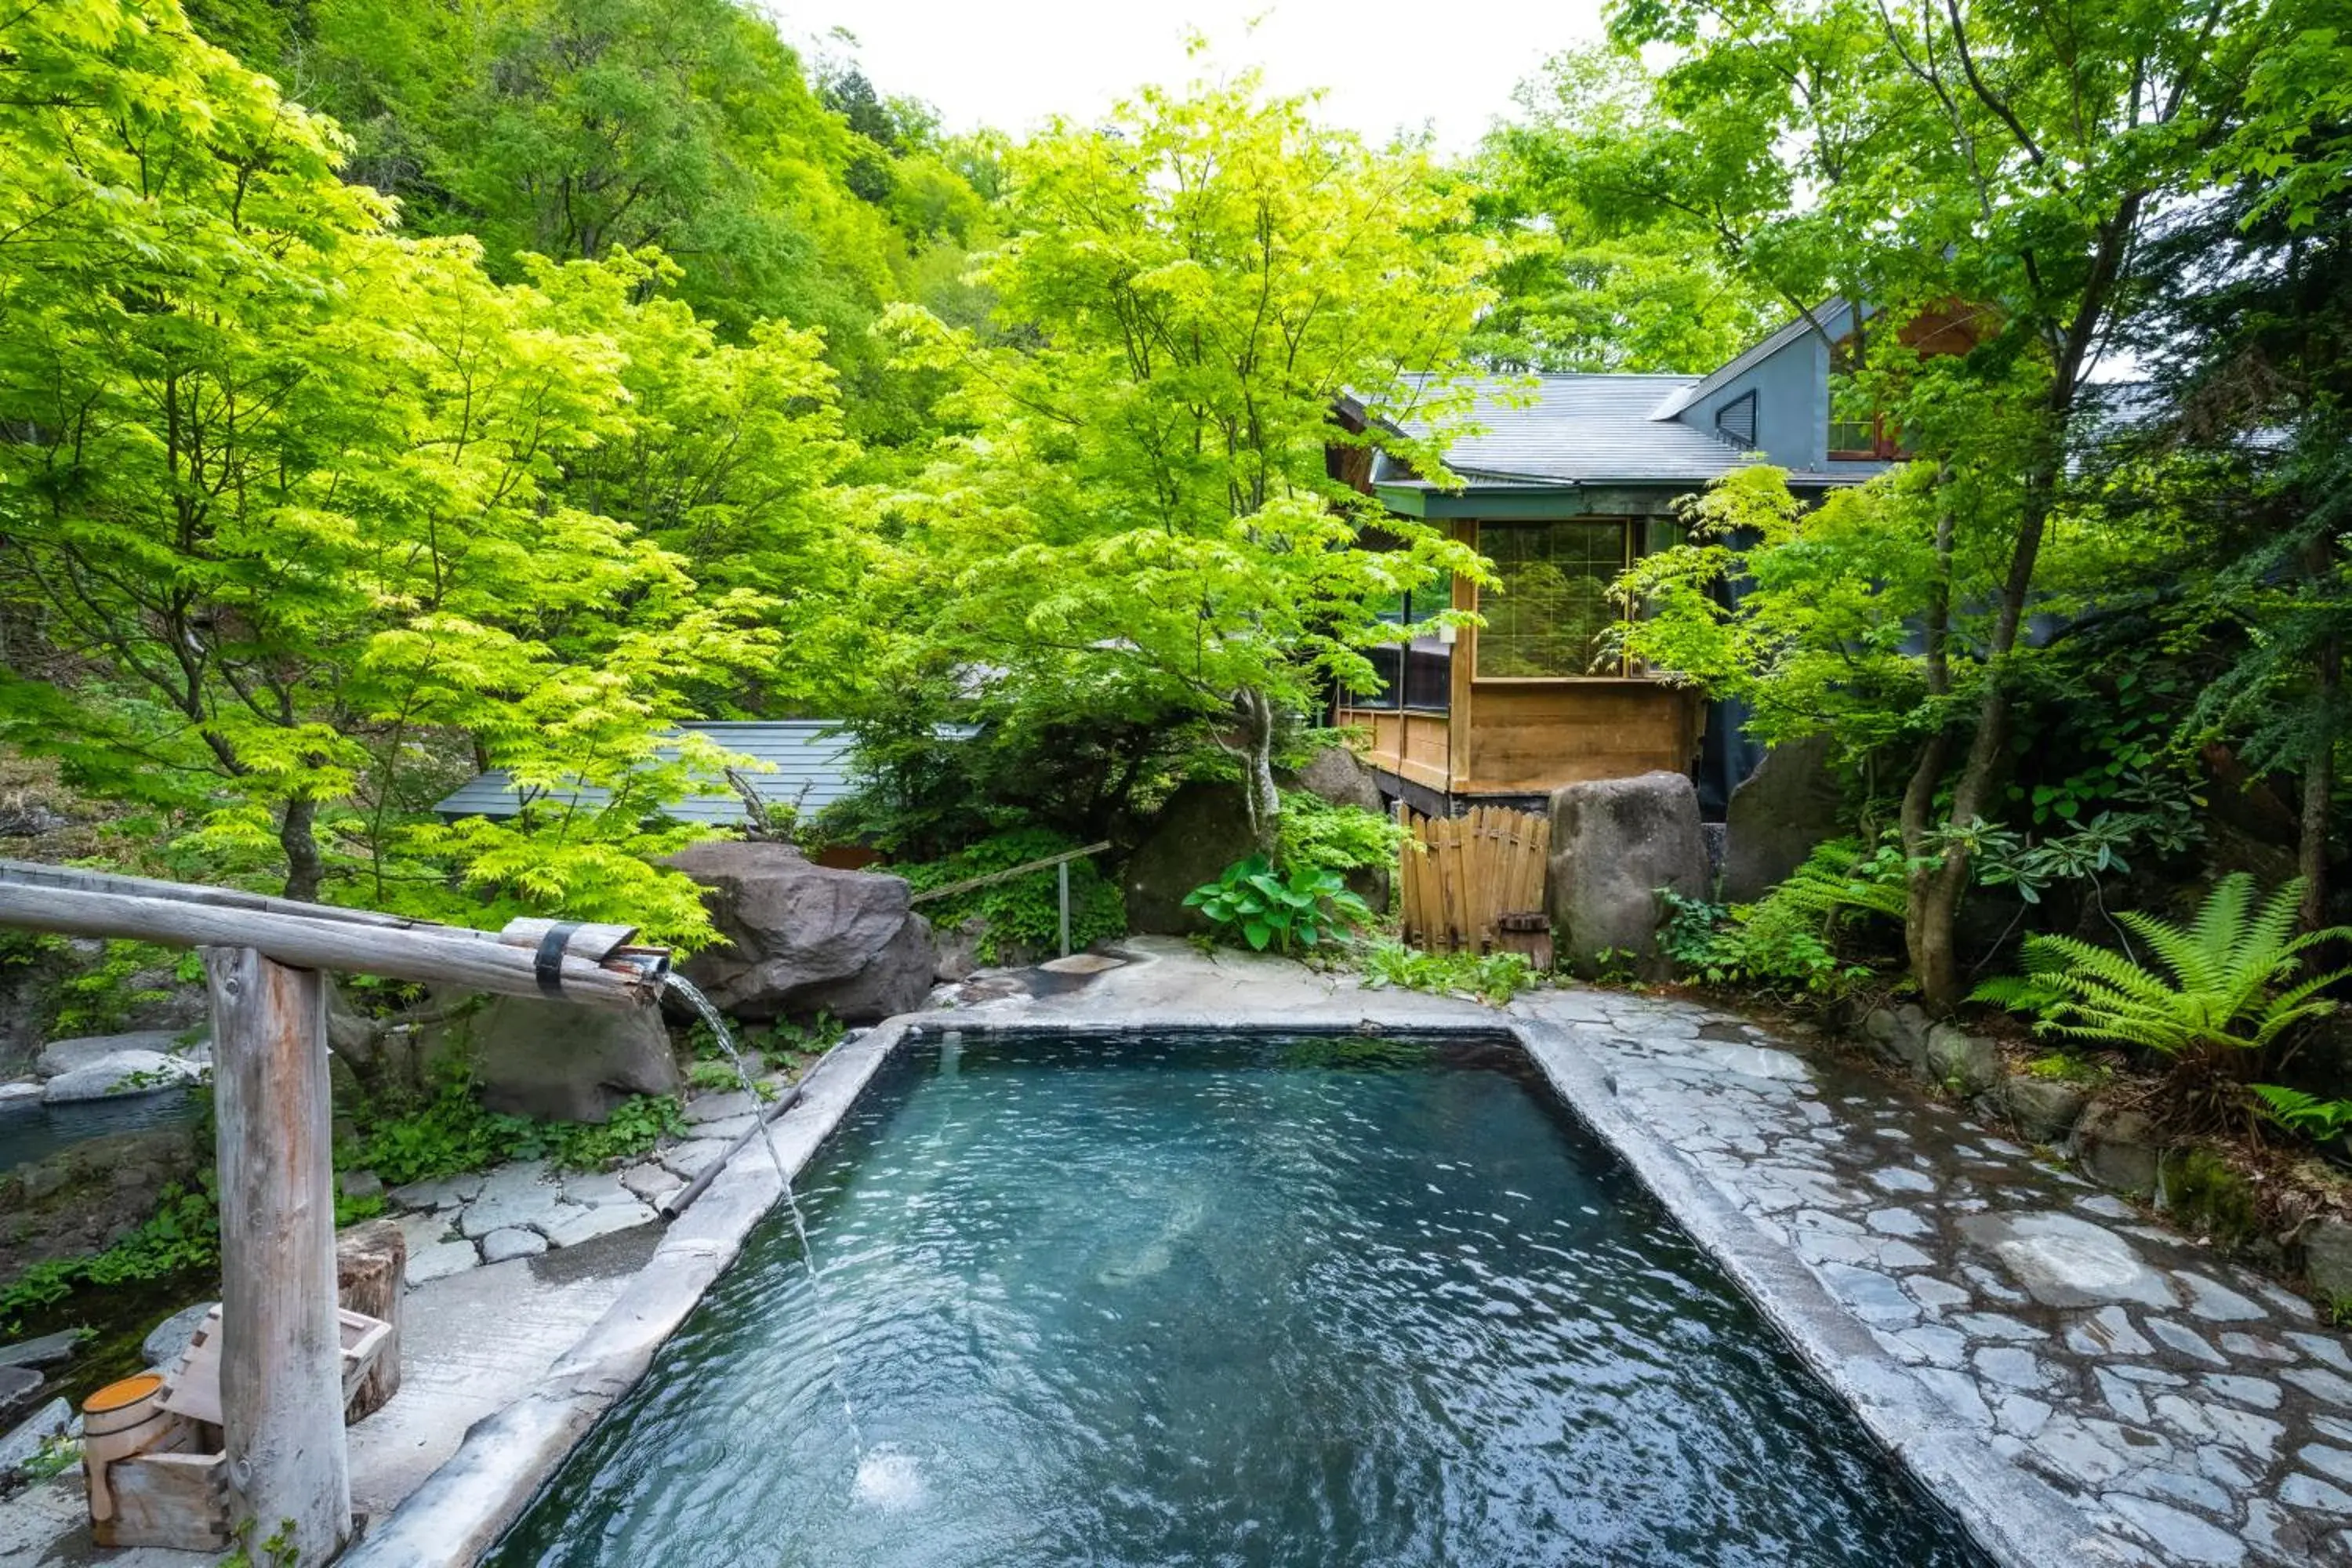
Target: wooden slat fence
(1463,872)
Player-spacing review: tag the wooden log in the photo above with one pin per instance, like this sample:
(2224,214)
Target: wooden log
(281,1346)
(371,1261)
(176,1499)
(33,873)
(433,954)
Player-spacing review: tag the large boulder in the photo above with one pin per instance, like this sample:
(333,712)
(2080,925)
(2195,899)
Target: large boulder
(1203,828)
(59,1056)
(801,938)
(121,1073)
(2117,1147)
(557,1059)
(1615,843)
(1340,776)
(1789,805)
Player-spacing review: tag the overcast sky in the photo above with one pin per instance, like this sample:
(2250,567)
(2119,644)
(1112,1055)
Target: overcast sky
(1450,64)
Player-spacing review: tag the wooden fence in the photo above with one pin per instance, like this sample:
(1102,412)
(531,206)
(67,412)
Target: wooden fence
(1463,874)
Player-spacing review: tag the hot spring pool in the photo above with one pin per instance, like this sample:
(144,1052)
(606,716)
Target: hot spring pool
(1226,1300)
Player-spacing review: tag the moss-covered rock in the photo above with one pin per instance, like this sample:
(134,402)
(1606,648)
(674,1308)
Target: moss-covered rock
(2205,1193)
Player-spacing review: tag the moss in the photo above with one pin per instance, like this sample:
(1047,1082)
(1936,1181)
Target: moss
(2208,1195)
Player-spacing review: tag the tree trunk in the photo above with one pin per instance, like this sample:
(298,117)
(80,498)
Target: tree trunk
(1255,714)
(371,1268)
(2319,785)
(1935,964)
(1926,935)
(304,870)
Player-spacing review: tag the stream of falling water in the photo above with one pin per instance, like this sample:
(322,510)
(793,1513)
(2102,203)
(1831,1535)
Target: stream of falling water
(884,1477)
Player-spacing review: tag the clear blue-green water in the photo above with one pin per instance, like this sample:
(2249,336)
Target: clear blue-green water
(1226,1301)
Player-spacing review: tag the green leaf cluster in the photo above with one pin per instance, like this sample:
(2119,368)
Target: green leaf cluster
(1023,912)
(1265,908)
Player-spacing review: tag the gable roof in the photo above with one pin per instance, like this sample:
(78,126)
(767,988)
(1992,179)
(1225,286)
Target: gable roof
(1731,369)
(809,760)
(1562,431)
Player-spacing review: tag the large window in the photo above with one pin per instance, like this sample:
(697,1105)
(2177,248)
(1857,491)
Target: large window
(1549,617)
(1419,674)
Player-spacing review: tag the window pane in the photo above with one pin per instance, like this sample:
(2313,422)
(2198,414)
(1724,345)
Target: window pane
(1554,605)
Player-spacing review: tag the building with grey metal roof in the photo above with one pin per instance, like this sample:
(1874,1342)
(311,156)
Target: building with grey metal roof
(800,764)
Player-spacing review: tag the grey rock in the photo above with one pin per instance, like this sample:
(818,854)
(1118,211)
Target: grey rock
(599,1191)
(2186,1340)
(1997,1326)
(356,1185)
(1927,1343)
(576,1225)
(500,1245)
(2184,1536)
(2320,1384)
(2334,1463)
(553,1059)
(1789,805)
(1337,774)
(24,1441)
(2063,1261)
(2107,1332)
(440,1260)
(2122,1396)
(802,937)
(2327,1257)
(440,1193)
(22,1090)
(2259,1392)
(49,1350)
(2215,1302)
(723,1106)
(2116,1148)
(1936,1294)
(2302,1492)
(121,1073)
(168,1341)
(2323,1347)
(1901,1033)
(1615,843)
(1969,1063)
(650,1180)
(2009,1366)
(20,1390)
(86,1050)
(2022,1414)
(1203,828)
(2256,1435)
(1898,1221)
(1902,1179)
(2043,1110)
(1958,1391)
(688,1159)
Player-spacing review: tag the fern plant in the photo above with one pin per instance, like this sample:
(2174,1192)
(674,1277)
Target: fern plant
(1789,937)
(2317,1119)
(2219,991)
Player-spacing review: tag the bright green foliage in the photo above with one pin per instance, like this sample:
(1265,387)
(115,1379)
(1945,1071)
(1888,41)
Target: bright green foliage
(1315,832)
(310,520)
(2225,984)
(1265,908)
(1134,519)
(2321,1120)
(1792,938)
(1492,977)
(1023,912)
(1593,277)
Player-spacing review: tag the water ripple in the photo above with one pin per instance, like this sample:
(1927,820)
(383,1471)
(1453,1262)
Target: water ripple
(1225,1303)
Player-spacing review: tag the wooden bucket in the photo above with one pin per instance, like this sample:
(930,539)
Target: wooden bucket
(118,1421)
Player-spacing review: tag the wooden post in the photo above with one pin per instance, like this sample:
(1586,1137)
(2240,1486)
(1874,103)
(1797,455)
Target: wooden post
(370,1267)
(1062,873)
(281,1348)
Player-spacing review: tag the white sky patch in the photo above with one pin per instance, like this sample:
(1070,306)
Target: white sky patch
(1384,65)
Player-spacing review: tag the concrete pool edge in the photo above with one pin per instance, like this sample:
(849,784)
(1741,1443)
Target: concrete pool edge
(469,1502)
(2018,1520)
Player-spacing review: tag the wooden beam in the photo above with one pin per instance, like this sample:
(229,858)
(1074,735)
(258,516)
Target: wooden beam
(74,879)
(435,954)
(281,1346)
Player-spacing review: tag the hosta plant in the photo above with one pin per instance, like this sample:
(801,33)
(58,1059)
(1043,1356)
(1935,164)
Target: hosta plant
(1265,908)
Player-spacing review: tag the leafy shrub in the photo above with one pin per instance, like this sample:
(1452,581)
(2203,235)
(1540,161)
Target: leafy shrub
(2219,991)
(451,1131)
(1264,907)
(1493,977)
(1023,912)
(636,1125)
(1788,938)
(98,999)
(182,1235)
(1312,831)
(2321,1120)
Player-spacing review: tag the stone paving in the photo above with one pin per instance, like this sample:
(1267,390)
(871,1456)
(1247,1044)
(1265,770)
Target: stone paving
(522,1210)
(2195,1413)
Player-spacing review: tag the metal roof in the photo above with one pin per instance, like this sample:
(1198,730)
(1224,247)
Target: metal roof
(1566,430)
(808,768)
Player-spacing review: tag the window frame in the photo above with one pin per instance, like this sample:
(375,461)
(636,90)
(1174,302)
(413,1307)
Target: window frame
(1632,531)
